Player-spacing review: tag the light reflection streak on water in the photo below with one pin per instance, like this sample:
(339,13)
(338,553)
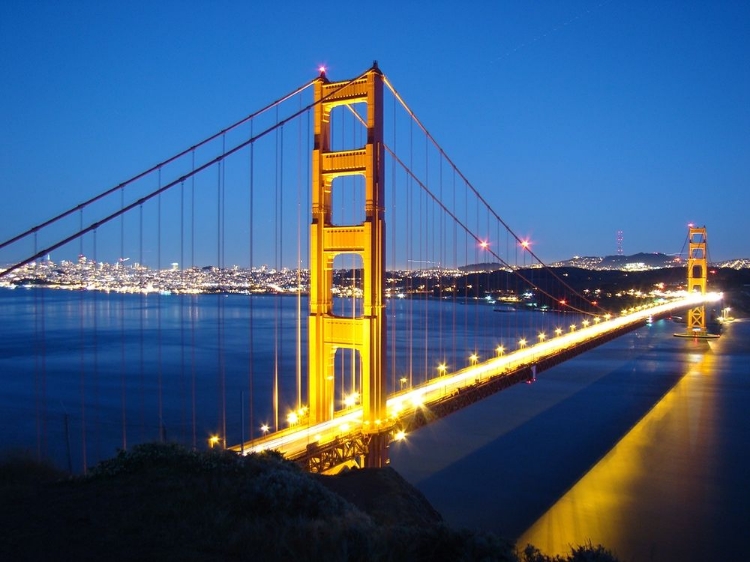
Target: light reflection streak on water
(634,500)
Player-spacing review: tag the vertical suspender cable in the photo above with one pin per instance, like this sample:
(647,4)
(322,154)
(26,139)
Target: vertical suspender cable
(456,278)
(423,221)
(193,310)
(440,249)
(220,294)
(308,203)
(280,225)
(95,353)
(159,365)
(353,261)
(222,268)
(410,255)
(142,312)
(40,357)
(183,303)
(478,281)
(123,380)
(276,230)
(298,354)
(466,345)
(251,298)
(393,233)
(83,355)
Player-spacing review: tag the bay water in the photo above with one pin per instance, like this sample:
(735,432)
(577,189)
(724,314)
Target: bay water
(84,373)
(640,445)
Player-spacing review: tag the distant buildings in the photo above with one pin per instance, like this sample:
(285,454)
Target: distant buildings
(86,274)
(135,278)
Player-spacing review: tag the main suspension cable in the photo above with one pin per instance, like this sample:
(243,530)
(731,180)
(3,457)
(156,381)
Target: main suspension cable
(478,195)
(472,234)
(156,167)
(166,187)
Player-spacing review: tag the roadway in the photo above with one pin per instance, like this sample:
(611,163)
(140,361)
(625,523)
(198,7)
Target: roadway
(295,440)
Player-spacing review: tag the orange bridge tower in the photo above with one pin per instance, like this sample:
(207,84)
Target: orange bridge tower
(366,333)
(697,277)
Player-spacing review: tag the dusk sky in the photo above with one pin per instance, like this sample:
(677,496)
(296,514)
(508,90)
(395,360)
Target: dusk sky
(573,118)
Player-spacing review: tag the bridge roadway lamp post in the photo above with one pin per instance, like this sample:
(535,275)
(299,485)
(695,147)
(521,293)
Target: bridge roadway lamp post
(327,332)
(441,371)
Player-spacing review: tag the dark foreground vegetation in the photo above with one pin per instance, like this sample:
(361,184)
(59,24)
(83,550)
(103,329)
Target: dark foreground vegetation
(163,502)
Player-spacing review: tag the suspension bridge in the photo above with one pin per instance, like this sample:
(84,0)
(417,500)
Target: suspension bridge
(318,278)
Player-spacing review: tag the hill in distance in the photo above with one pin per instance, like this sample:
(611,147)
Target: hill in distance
(635,262)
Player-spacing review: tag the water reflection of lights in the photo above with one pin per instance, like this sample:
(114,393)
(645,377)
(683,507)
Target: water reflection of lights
(608,504)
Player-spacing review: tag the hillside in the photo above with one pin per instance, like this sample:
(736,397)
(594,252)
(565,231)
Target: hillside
(162,502)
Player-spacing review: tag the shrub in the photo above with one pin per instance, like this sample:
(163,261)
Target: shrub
(581,553)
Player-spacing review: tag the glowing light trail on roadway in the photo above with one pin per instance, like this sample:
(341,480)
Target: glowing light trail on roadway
(295,439)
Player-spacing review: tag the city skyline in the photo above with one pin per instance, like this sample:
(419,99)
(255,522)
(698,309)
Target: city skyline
(574,120)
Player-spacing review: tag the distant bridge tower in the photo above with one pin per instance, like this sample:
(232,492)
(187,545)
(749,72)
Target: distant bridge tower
(327,332)
(697,277)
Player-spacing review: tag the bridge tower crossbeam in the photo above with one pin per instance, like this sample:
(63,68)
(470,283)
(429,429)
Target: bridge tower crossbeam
(328,332)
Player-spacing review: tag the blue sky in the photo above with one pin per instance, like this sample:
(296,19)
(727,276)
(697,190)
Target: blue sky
(574,118)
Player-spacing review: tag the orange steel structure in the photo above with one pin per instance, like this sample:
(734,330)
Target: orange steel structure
(697,277)
(327,332)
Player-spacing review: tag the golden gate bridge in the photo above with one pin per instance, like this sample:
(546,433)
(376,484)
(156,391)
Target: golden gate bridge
(363,268)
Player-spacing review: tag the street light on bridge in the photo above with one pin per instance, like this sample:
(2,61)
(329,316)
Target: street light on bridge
(585,323)
(572,327)
(522,343)
(351,400)
(558,331)
(473,358)
(500,350)
(542,336)
(441,368)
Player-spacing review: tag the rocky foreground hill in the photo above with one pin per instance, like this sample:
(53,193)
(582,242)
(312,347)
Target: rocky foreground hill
(162,502)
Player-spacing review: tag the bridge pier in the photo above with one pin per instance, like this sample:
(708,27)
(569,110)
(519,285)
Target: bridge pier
(377,451)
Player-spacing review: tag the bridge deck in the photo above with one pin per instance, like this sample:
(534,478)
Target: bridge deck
(415,407)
